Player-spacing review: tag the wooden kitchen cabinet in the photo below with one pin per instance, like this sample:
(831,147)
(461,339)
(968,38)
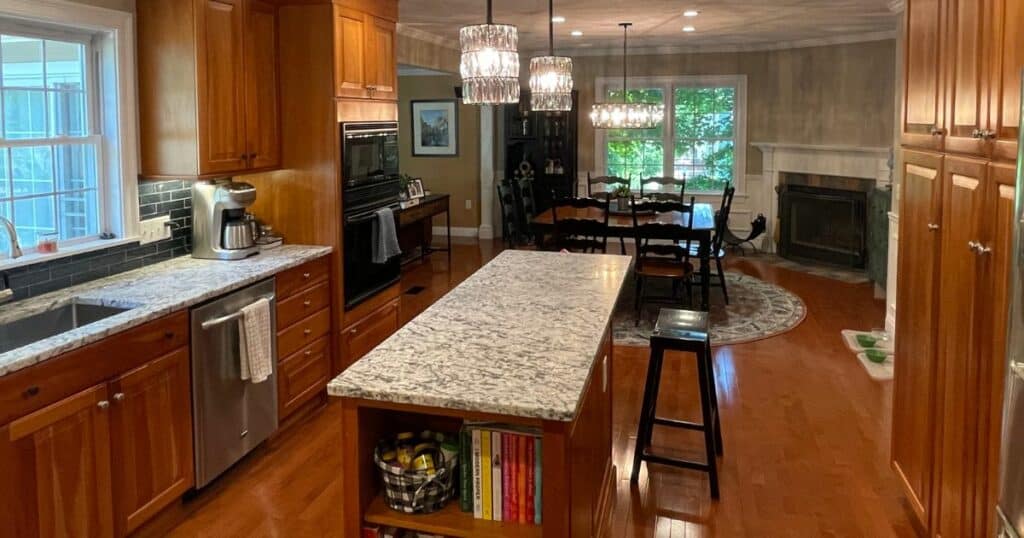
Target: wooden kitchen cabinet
(914,418)
(208,87)
(361,337)
(365,48)
(151,433)
(923,111)
(1007,60)
(967,75)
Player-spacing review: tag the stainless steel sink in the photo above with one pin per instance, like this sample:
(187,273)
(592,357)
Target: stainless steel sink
(24,331)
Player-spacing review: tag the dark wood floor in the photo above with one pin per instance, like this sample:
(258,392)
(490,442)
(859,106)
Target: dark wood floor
(806,436)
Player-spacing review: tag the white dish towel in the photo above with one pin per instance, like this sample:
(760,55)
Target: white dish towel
(255,352)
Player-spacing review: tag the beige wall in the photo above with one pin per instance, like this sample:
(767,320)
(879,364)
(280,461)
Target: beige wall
(840,94)
(120,5)
(458,176)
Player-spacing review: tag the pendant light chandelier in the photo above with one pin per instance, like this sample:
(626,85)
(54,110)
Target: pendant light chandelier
(626,115)
(551,76)
(490,63)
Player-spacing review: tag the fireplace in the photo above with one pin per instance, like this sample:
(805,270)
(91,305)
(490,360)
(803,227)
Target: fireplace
(824,219)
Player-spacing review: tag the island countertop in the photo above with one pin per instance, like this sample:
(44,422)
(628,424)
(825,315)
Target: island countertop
(150,292)
(519,337)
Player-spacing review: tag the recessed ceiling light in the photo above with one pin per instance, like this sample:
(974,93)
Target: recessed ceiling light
(558,19)
(689,29)
(691,13)
(576,33)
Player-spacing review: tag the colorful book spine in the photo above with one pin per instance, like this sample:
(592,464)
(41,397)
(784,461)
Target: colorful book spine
(513,491)
(506,482)
(485,475)
(465,470)
(530,481)
(521,477)
(537,480)
(496,478)
(477,499)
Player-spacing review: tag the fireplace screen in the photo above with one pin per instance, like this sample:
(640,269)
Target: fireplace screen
(826,225)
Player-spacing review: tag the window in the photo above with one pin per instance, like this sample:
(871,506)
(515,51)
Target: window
(67,134)
(705,141)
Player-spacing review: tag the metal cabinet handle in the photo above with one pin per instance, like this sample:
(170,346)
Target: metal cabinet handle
(308,353)
(983,250)
(977,133)
(119,397)
(936,131)
(103,404)
(932,227)
(988,134)
(973,245)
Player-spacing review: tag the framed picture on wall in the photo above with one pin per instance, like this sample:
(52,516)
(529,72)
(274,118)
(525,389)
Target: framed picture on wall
(435,128)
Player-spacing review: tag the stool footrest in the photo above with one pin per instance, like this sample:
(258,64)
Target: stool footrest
(672,423)
(674,462)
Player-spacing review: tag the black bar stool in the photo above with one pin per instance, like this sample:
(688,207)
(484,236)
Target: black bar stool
(687,331)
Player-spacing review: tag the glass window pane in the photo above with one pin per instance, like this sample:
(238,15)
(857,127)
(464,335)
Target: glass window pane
(5,243)
(79,214)
(33,170)
(5,184)
(34,217)
(24,114)
(22,61)
(725,99)
(66,113)
(65,65)
(76,167)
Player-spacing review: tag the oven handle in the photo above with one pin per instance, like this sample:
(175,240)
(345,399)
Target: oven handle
(367,215)
(358,133)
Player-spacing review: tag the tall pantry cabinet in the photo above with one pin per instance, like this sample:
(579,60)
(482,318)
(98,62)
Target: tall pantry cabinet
(960,120)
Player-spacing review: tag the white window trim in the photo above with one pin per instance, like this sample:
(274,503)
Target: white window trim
(116,111)
(666,83)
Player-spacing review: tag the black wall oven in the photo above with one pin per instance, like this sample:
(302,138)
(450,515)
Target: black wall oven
(370,182)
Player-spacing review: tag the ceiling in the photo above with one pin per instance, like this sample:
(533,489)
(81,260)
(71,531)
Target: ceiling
(657,24)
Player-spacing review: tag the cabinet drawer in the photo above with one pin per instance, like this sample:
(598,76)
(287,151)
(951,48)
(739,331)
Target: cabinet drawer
(302,375)
(304,332)
(361,338)
(299,278)
(34,387)
(303,304)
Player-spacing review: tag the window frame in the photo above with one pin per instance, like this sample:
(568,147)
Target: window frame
(668,84)
(111,111)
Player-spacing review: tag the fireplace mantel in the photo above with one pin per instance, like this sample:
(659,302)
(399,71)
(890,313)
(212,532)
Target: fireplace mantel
(839,160)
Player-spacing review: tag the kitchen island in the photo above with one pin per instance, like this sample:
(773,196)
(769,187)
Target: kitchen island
(527,341)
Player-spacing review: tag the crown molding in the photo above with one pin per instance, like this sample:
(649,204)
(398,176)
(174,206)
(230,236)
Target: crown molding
(754,47)
(422,35)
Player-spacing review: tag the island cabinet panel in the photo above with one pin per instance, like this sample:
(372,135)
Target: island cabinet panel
(151,432)
(56,469)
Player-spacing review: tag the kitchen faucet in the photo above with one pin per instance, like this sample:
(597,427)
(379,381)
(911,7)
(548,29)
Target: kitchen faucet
(15,247)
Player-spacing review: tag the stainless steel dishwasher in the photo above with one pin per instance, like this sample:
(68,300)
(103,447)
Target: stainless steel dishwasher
(231,416)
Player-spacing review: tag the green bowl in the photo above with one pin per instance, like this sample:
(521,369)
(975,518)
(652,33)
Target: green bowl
(866,341)
(875,355)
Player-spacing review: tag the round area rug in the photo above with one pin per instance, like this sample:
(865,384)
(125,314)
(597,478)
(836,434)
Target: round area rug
(756,310)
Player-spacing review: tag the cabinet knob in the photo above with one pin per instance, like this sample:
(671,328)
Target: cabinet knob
(307,302)
(936,131)
(307,332)
(305,276)
(308,353)
(119,397)
(31,391)
(169,334)
(354,331)
(932,227)
(978,248)
(103,404)
(977,133)
(988,134)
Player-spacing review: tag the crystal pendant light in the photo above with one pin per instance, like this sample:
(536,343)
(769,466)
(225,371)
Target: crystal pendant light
(551,76)
(626,115)
(490,63)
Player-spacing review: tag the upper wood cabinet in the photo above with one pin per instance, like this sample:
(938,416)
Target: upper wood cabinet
(923,108)
(966,75)
(208,87)
(1007,62)
(365,48)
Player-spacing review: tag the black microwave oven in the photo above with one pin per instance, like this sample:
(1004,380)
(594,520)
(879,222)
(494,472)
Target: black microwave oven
(369,152)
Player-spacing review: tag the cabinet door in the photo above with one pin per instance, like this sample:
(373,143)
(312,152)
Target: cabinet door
(361,338)
(151,437)
(913,424)
(350,39)
(221,86)
(57,460)
(381,67)
(967,75)
(302,376)
(963,202)
(262,118)
(922,100)
(1008,19)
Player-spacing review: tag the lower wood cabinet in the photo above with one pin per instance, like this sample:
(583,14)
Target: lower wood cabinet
(151,433)
(302,375)
(364,335)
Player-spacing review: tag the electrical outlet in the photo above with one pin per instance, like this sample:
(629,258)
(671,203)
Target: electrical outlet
(469,204)
(151,230)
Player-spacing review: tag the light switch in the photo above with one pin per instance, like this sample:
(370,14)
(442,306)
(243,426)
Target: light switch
(156,229)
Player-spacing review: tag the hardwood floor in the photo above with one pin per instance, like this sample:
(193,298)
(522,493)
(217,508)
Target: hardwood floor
(806,435)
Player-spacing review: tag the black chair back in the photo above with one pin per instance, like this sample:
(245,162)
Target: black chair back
(667,187)
(609,182)
(528,203)
(509,218)
(722,218)
(581,231)
(663,229)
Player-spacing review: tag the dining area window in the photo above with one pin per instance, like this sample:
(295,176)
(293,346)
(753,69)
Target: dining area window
(701,140)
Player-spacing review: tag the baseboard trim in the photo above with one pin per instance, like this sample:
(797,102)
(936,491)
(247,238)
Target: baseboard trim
(457,231)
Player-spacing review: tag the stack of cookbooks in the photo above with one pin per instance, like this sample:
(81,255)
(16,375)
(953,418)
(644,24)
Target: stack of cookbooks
(500,469)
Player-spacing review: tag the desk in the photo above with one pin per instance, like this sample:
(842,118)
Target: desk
(621,225)
(429,206)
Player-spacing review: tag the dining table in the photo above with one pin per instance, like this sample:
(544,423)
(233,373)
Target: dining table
(620,224)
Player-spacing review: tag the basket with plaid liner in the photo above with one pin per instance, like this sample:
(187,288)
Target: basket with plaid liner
(415,491)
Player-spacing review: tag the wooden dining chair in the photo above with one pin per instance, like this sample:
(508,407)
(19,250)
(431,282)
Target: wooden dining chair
(717,280)
(609,183)
(666,189)
(580,224)
(663,232)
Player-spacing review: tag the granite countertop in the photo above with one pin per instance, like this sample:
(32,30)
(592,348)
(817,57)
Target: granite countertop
(151,292)
(519,337)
